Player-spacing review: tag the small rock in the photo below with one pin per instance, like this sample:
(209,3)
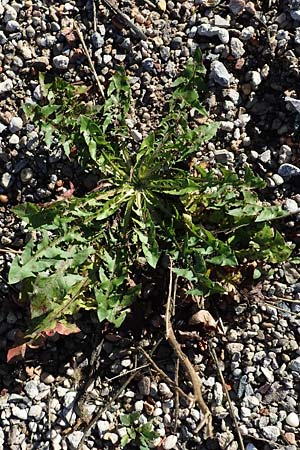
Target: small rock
(12,26)
(102,425)
(112,437)
(251,447)
(235,347)
(35,411)
(255,79)
(220,74)
(164,390)
(31,389)
(148,64)
(224,156)
(247,33)
(271,432)
(288,170)
(19,413)
(26,174)
(97,40)
(61,62)
(266,156)
(237,48)
(291,205)
(218,393)
(278,180)
(268,374)
(136,135)
(47,378)
(139,405)
(74,439)
(14,139)
(170,442)
(6,86)
(144,386)
(292,420)
(6,180)
(16,124)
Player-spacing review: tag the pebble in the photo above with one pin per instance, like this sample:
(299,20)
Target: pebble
(170,442)
(291,205)
(12,26)
(74,439)
(102,425)
(36,411)
(235,347)
(6,86)
(26,175)
(292,420)
(220,74)
(61,62)
(237,48)
(19,413)
(271,432)
(294,365)
(16,124)
(97,40)
(288,170)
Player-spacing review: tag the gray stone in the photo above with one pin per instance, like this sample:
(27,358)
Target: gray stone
(271,432)
(235,347)
(19,413)
(26,174)
(254,78)
(139,405)
(295,14)
(223,35)
(136,135)
(69,399)
(288,170)
(102,425)
(237,48)
(12,26)
(220,74)
(36,411)
(6,86)
(176,43)
(10,14)
(278,180)
(268,374)
(148,64)
(6,180)
(74,439)
(251,447)
(31,389)
(97,40)
(291,205)
(112,437)
(144,385)
(266,156)
(294,365)
(224,156)
(61,62)
(170,442)
(14,139)
(16,124)
(165,390)
(247,33)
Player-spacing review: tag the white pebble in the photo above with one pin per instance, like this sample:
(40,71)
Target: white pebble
(170,442)
(292,420)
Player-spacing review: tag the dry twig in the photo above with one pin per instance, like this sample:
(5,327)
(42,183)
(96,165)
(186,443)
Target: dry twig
(91,64)
(231,410)
(114,7)
(186,363)
(165,376)
(102,410)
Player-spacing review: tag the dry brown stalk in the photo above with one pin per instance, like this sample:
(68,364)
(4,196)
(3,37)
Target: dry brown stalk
(186,363)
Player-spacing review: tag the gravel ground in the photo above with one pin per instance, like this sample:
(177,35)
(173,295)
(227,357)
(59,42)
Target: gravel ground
(251,52)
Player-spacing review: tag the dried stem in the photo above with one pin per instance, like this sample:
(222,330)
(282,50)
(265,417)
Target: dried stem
(231,410)
(186,363)
(91,64)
